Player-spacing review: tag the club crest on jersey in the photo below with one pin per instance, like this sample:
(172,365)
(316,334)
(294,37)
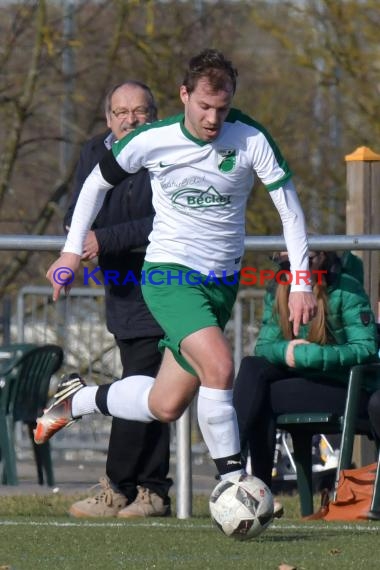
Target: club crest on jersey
(226,159)
(194,198)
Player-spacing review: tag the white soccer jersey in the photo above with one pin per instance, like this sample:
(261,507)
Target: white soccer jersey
(200,190)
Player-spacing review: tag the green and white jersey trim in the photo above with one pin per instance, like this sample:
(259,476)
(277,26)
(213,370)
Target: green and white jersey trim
(200,189)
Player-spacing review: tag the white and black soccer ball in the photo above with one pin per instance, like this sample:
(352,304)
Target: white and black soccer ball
(241,506)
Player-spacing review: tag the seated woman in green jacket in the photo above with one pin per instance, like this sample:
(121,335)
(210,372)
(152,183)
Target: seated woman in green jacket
(308,373)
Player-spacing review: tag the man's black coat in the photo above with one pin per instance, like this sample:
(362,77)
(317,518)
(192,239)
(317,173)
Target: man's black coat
(123,224)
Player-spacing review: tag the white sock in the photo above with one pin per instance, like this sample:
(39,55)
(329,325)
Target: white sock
(83,402)
(128,398)
(218,423)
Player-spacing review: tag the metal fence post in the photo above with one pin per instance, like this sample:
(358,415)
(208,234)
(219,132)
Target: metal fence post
(183,471)
(238,332)
(6,320)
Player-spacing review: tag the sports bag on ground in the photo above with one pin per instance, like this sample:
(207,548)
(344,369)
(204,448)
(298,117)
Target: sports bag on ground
(353,497)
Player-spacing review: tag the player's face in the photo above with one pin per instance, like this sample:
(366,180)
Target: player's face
(130,108)
(206,109)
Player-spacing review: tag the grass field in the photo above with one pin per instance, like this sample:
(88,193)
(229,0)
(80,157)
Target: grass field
(37,534)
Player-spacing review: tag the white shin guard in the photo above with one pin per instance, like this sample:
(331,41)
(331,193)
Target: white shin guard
(218,423)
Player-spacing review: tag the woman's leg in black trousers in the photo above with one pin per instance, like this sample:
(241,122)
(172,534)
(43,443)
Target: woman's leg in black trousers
(301,395)
(257,425)
(293,395)
(263,392)
(138,453)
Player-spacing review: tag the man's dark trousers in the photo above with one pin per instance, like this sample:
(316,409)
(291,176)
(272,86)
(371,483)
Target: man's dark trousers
(145,459)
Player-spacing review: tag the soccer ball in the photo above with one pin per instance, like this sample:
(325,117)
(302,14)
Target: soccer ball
(241,507)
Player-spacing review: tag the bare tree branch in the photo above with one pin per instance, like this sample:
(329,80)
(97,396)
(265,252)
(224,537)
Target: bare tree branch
(21,104)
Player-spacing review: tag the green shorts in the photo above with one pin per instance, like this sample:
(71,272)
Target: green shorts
(184,301)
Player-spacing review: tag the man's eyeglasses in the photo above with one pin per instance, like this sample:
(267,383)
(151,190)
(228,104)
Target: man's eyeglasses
(124,113)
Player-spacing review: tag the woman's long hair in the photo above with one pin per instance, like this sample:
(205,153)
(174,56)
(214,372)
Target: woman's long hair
(318,331)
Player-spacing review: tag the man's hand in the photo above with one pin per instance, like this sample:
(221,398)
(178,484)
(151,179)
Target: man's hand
(90,247)
(289,357)
(62,273)
(302,308)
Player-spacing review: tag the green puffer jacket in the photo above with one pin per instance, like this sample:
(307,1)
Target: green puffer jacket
(351,323)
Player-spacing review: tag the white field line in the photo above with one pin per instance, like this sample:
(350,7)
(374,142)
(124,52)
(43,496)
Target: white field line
(186,525)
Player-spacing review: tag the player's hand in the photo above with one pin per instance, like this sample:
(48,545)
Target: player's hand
(289,357)
(90,247)
(61,273)
(302,308)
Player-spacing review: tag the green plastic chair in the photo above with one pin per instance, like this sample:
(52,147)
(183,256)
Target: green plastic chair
(24,387)
(303,426)
(358,374)
(10,352)
(374,512)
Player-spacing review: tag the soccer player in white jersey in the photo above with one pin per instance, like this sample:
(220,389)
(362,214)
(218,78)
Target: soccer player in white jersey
(202,165)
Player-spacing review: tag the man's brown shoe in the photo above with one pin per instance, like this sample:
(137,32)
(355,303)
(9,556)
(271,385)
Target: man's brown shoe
(146,504)
(106,503)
